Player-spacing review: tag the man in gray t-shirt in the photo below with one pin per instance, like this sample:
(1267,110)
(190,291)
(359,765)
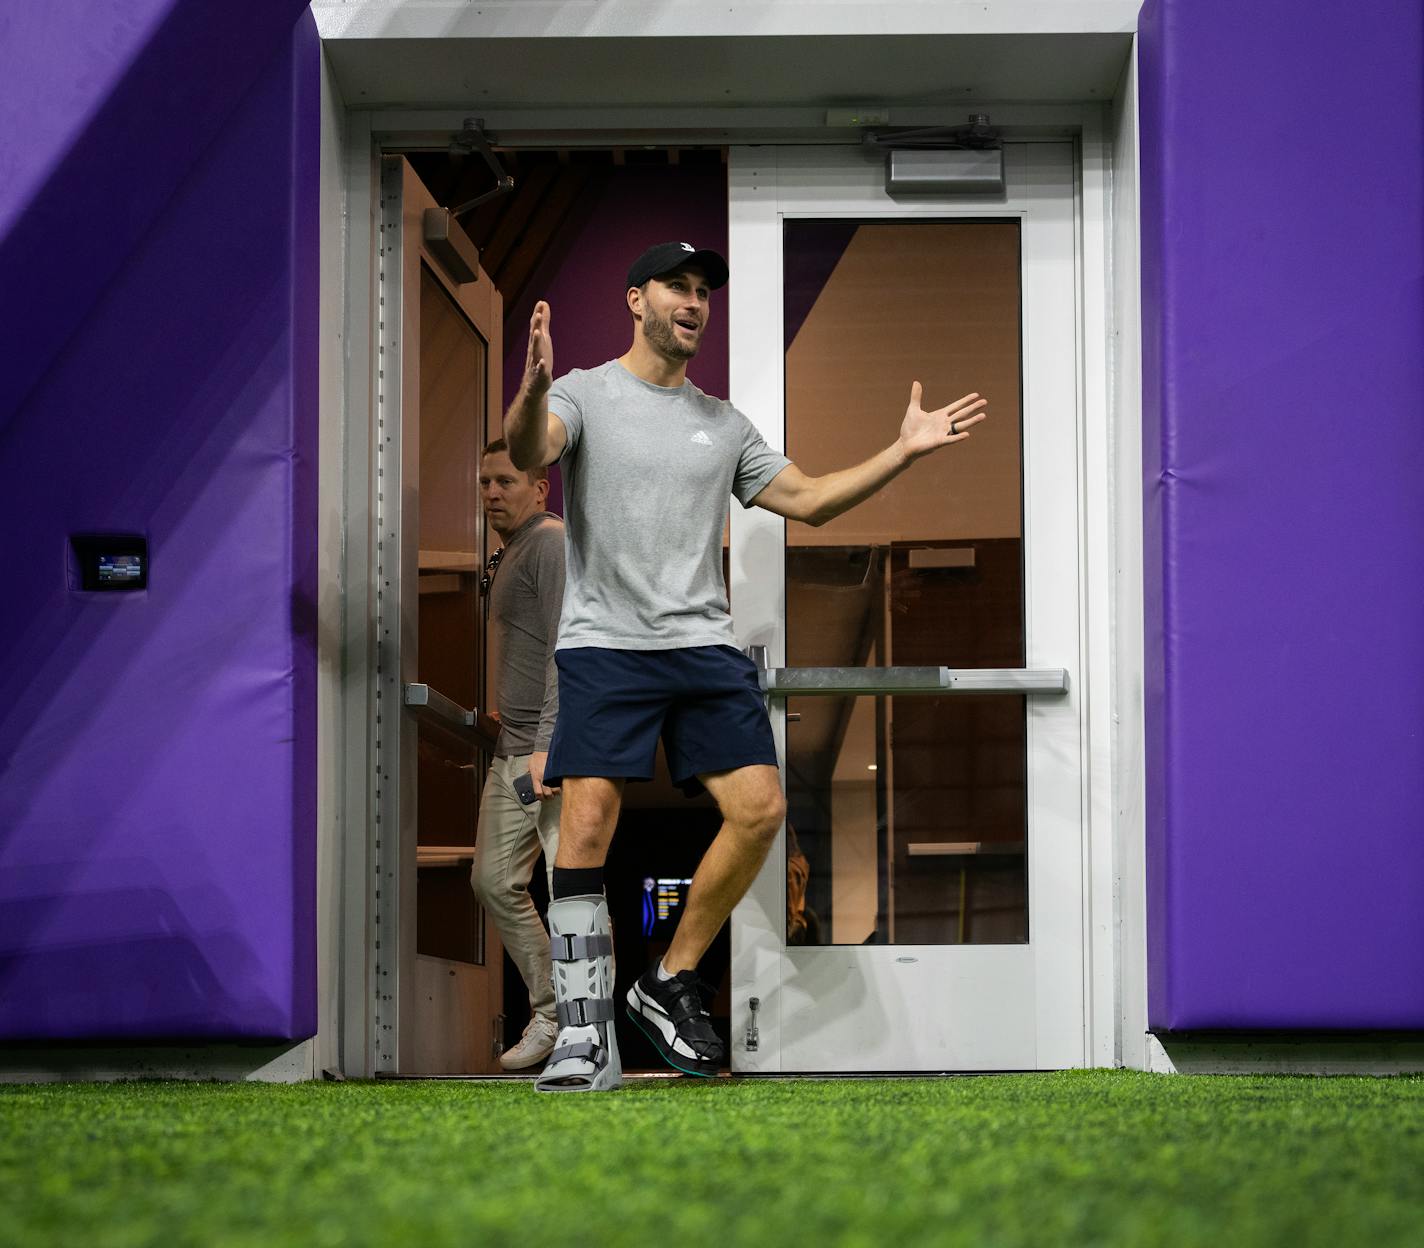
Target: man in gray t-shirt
(648,470)
(646,647)
(519,813)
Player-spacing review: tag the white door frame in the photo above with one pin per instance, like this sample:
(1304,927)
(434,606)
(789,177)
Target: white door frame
(1110,681)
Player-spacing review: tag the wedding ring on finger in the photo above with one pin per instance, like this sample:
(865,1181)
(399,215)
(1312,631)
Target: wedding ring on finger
(953,429)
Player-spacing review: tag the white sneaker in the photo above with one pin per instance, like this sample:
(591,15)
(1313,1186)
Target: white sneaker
(534,1045)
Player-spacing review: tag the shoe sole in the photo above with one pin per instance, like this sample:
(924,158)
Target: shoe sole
(684,1065)
(608,1078)
(604,1081)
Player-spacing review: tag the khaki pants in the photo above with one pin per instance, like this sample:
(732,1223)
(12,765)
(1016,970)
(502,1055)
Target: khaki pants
(507,844)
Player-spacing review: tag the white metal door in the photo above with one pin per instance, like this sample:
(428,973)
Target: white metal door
(891,1005)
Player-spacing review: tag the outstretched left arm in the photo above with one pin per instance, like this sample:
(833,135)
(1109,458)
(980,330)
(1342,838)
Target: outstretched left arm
(815,500)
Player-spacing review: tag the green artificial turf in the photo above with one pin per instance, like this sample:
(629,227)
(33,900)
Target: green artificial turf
(1091,1157)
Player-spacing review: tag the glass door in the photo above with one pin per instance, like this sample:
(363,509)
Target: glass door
(438,959)
(925,908)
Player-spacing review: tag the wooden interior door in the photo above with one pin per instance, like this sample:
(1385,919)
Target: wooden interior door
(446,355)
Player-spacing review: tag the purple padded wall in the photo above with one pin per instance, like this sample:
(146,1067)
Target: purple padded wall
(105,106)
(1283,344)
(157,750)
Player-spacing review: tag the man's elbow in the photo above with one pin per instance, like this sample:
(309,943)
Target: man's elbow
(805,506)
(525,458)
(816,512)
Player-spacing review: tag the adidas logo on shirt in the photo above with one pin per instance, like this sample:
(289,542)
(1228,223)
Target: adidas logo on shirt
(701,438)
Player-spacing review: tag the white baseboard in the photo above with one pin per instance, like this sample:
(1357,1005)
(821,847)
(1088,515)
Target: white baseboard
(1284,1055)
(224,1063)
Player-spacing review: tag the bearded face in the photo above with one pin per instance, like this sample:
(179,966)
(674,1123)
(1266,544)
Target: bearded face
(675,314)
(676,336)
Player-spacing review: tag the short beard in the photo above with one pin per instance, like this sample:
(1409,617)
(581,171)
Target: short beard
(662,337)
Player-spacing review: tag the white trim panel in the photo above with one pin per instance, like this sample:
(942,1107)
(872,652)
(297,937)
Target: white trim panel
(678,19)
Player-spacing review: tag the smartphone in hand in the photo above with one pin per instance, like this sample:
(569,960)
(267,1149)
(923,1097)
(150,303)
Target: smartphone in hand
(524,788)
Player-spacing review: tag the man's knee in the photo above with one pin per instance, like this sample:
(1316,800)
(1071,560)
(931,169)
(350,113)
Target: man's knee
(762,814)
(495,890)
(586,822)
(773,815)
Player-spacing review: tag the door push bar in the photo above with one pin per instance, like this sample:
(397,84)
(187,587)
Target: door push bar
(785,682)
(434,707)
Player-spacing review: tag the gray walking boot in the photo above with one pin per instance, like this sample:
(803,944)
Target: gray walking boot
(585,1056)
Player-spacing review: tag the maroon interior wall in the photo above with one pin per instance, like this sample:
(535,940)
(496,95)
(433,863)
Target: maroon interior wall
(582,274)
(1283,343)
(157,749)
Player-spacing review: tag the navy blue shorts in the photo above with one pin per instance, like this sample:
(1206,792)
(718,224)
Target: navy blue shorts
(704,701)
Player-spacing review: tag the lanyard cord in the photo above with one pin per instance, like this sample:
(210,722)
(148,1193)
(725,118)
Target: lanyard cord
(487,580)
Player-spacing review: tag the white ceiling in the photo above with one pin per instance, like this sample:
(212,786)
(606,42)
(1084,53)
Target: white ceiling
(818,70)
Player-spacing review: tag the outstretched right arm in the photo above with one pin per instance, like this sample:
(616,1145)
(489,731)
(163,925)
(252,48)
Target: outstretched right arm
(535,437)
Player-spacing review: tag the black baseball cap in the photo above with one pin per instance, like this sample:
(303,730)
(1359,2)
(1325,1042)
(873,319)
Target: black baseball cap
(667,257)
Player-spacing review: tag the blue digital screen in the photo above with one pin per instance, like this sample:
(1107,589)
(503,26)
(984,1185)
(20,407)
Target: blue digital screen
(663,898)
(120,569)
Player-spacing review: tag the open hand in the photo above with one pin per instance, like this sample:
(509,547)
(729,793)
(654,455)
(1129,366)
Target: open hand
(539,362)
(923,432)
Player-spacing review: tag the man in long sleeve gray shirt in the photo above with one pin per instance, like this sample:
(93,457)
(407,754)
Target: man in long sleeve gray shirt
(524,595)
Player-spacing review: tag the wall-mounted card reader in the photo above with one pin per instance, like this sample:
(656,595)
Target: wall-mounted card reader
(108,561)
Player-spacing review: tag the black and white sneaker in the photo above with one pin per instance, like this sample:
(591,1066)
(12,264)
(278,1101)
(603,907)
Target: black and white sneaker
(670,1012)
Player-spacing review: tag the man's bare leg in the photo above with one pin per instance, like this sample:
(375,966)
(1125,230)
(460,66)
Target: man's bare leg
(587,821)
(752,809)
(667,1003)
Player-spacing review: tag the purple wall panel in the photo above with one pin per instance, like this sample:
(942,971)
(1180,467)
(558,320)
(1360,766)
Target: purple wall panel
(1283,317)
(157,750)
(582,275)
(105,105)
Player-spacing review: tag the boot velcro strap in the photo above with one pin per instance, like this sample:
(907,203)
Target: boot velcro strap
(577,948)
(585,1050)
(584,1010)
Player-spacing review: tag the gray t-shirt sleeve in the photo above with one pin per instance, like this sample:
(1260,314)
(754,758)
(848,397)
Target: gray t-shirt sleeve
(565,401)
(756,465)
(548,570)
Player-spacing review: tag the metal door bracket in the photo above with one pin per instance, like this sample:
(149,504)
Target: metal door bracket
(472,138)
